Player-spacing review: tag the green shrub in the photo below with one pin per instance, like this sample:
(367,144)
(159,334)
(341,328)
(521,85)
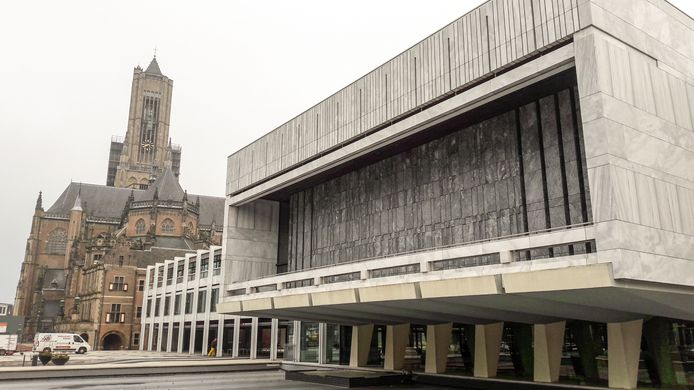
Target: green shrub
(60,359)
(45,357)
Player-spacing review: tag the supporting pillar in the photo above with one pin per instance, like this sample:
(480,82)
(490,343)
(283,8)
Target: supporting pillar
(322,350)
(220,336)
(549,340)
(623,350)
(237,336)
(274,328)
(361,342)
(438,341)
(487,344)
(254,337)
(396,344)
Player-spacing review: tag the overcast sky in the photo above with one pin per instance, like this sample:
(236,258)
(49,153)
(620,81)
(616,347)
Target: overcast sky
(240,69)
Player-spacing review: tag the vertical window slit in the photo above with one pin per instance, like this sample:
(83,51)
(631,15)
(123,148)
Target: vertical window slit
(579,156)
(562,167)
(548,223)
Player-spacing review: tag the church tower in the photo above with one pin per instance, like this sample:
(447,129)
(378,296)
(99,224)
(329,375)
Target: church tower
(146,150)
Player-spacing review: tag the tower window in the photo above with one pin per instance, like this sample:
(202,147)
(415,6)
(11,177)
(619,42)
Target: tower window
(140,226)
(57,241)
(167,226)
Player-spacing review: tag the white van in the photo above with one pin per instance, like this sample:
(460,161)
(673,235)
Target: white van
(60,342)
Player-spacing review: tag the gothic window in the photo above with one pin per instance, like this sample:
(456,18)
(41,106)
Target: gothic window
(140,226)
(57,241)
(167,226)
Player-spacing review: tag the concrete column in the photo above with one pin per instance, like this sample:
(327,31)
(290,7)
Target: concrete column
(322,332)
(487,344)
(237,336)
(273,338)
(361,342)
(150,339)
(623,350)
(254,337)
(296,339)
(206,336)
(549,340)
(396,344)
(438,341)
(179,345)
(220,335)
(191,342)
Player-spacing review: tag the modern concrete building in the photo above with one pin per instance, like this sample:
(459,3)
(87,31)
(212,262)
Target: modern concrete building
(180,299)
(518,184)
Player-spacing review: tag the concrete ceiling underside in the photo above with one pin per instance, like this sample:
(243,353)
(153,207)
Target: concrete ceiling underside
(608,304)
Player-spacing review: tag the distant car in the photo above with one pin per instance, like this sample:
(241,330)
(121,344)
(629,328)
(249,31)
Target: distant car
(60,342)
(8,344)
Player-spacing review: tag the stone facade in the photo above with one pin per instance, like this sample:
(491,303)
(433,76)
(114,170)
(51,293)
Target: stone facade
(85,257)
(146,149)
(87,261)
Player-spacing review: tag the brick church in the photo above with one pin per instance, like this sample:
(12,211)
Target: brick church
(86,255)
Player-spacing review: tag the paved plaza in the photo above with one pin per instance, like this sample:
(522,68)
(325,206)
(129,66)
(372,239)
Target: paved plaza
(266,380)
(103,357)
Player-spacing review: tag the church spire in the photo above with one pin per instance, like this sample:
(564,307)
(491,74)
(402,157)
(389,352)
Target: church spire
(78,201)
(39,201)
(153,67)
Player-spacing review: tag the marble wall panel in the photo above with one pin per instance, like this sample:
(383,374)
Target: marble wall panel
(251,240)
(493,36)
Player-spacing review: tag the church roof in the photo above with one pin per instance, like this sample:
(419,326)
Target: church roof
(101,201)
(166,186)
(153,67)
(108,202)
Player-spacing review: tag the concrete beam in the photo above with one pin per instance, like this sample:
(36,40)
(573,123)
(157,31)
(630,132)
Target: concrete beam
(438,341)
(397,337)
(487,344)
(623,351)
(549,340)
(361,342)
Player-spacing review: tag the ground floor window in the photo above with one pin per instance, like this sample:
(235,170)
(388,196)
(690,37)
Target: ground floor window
(264,338)
(245,331)
(285,340)
(174,336)
(186,337)
(308,342)
(338,339)
(228,338)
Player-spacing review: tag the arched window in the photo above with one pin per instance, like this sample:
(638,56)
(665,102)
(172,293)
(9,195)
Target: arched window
(167,226)
(57,241)
(140,226)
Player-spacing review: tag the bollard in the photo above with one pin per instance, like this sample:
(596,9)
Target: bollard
(24,359)
(35,360)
